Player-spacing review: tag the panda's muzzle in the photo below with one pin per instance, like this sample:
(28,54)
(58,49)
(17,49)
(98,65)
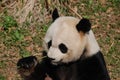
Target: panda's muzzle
(56,62)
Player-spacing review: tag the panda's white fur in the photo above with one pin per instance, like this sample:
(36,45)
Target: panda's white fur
(63,30)
(92,45)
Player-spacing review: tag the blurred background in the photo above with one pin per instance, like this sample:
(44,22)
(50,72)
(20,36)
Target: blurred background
(23,24)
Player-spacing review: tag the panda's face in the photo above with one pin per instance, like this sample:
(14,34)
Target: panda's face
(64,42)
(66,38)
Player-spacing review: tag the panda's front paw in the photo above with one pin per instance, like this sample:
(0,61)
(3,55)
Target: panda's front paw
(26,65)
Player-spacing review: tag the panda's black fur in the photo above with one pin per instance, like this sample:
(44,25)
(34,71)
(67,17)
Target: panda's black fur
(84,68)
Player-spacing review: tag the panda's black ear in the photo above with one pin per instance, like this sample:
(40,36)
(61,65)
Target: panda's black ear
(55,14)
(84,25)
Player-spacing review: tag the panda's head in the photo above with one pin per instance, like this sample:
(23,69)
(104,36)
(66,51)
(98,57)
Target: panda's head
(68,37)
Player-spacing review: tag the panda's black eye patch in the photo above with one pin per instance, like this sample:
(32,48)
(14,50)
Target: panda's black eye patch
(63,48)
(49,44)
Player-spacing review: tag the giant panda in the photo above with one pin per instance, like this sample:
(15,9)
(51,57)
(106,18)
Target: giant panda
(71,53)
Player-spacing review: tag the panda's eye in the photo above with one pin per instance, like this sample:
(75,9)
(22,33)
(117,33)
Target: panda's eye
(63,48)
(49,44)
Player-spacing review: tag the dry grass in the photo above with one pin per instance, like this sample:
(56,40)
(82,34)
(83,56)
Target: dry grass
(33,18)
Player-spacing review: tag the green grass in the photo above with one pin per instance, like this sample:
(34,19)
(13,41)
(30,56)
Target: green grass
(24,39)
(2,77)
(8,21)
(2,64)
(24,53)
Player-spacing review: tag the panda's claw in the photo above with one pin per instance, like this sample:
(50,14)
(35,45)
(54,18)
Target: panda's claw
(27,62)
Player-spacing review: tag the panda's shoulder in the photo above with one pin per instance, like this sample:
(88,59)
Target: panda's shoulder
(93,59)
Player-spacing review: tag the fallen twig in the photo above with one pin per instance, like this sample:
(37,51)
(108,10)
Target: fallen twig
(73,11)
(110,47)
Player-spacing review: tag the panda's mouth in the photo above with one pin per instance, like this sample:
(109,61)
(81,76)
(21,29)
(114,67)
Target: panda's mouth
(56,62)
